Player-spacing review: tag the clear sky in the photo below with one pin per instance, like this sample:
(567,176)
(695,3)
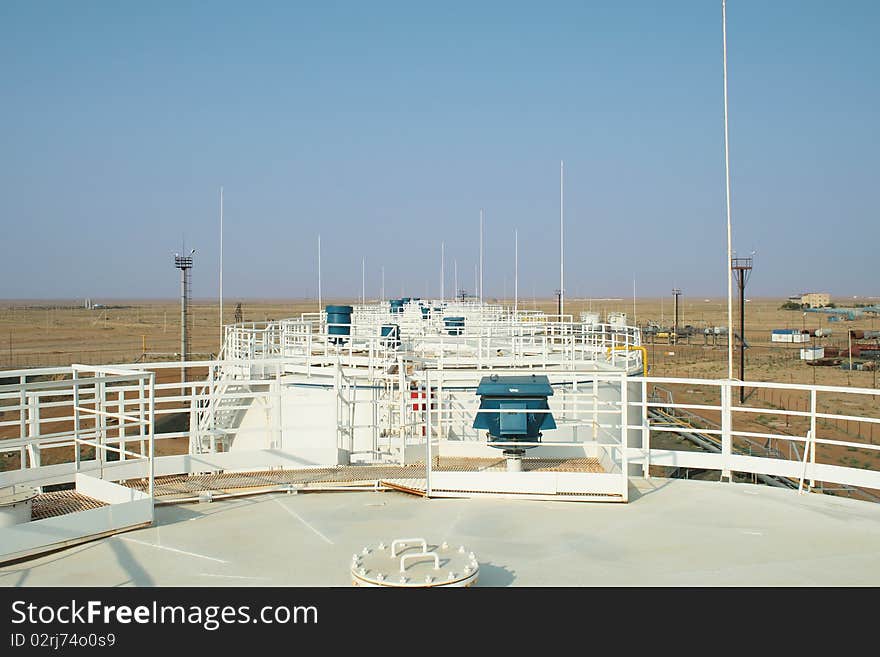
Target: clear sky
(386,126)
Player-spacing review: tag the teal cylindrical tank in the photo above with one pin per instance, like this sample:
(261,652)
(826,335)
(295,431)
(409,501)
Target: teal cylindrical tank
(454,325)
(391,335)
(339,322)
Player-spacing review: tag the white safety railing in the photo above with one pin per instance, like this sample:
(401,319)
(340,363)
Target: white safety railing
(382,395)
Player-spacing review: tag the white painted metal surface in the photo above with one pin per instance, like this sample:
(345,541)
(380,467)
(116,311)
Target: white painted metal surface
(284,396)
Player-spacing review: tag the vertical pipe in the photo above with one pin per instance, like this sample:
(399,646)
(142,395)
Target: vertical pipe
(363,280)
(727,188)
(383,283)
(455,291)
(319,280)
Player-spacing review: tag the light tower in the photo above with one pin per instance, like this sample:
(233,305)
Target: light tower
(184,263)
(741,268)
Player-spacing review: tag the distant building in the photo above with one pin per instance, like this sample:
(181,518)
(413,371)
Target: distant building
(789,335)
(812,353)
(815,299)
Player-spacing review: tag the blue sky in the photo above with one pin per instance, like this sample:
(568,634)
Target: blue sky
(386,126)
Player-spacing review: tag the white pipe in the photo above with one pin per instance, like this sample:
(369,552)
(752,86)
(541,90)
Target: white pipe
(319,277)
(383,283)
(363,280)
(727,185)
(455,266)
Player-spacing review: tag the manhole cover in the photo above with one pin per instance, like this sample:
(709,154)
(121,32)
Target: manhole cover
(410,562)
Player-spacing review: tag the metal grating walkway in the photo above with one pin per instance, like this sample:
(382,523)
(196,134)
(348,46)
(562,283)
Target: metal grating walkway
(407,478)
(59,503)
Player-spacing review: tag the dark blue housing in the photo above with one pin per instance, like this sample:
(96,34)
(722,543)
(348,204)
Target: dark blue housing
(391,335)
(454,325)
(514,393)
(339,322)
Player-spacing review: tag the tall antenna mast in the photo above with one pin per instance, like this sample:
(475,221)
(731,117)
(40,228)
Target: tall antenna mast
(442,271)
(363,280)
(481,256)
(383,283)
(319,277)
(727,262)
(221,267)
(476,288)
(515,271)
(455,268)
(561,239)
(635,317)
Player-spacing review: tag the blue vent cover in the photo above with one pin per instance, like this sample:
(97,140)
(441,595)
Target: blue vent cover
(339,322)
(515,394)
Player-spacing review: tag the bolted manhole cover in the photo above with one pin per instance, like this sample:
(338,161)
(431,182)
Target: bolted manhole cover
(412,563)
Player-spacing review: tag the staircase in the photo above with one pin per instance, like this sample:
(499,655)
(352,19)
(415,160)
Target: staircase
(219,414)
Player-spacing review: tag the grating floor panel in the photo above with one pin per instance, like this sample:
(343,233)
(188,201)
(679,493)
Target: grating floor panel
(188,485)
(528,465)
(59,503)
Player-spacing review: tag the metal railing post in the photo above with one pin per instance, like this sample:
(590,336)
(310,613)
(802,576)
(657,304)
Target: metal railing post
(624,433)
(726,428)
(427,398)
(152,467)
(646,433)
(813,403)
